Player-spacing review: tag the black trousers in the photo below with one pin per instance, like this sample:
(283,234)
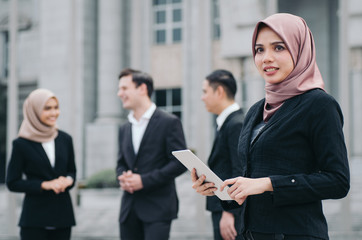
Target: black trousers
(33,233)
(136,229)
(216,217)
(248,235)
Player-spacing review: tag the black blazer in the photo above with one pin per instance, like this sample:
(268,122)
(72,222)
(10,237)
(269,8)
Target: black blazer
(302,150)
(157,201)
(42,208)
(223,159)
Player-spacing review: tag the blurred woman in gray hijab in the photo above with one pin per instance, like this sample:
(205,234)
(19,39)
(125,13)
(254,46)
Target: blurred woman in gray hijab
(42,166)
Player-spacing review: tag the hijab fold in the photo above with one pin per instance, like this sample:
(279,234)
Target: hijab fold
(32,128)
(305,76)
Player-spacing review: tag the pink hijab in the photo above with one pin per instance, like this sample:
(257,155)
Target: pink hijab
(293,30)
(32,128)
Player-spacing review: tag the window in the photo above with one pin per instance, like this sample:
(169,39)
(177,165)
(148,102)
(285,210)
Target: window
(167,26)
(159,2)
(216,19)
(176,35)
(161,36)
(160,17)
(169,100)
(176,15)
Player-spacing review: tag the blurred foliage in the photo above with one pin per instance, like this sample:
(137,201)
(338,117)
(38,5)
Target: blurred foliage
(105,178)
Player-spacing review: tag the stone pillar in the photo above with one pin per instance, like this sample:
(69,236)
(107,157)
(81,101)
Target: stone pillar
(101,138)
(140,33)
(197,63)
(109,59)
(344,100)
(12,113)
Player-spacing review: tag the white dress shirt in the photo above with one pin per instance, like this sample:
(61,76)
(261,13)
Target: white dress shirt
(139,127)
(224,114)
(49,148)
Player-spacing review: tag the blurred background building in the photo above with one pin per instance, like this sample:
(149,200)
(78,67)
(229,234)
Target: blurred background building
(76,48)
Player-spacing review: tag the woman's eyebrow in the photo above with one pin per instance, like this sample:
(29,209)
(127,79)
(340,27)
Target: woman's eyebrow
(273,43)
(277,42)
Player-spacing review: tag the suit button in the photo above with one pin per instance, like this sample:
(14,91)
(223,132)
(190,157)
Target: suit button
(135,169)
(293,180)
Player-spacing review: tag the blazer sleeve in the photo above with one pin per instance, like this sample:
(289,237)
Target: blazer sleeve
(233,133)
(14,179)
(121,164)
(174,140)
(331,178)
(71,166)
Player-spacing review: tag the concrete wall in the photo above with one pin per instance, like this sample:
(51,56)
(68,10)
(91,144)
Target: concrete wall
(355,42)
(166,65)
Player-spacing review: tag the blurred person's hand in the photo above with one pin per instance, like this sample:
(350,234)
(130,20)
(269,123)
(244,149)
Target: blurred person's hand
(130,181)
(227,227)
(123,183)
(55,185)
(65,181)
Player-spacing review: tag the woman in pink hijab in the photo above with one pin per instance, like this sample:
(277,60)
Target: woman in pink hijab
(292,144)
(42,166)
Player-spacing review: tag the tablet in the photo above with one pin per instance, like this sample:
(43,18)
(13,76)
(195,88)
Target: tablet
(190,160)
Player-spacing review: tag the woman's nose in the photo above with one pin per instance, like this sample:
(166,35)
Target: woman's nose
(53,112)
(268,56)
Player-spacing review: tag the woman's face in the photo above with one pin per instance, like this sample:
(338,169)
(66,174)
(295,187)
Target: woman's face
(50,112)
(272,58)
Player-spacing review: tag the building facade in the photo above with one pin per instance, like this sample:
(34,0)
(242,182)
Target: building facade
(77,49)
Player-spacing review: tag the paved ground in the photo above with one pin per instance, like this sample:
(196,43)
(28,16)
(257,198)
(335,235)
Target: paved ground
(97,213)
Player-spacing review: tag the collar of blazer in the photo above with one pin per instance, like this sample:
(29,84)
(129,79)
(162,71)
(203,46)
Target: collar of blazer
(256,117)
(287,107)
(44,157)
(148,133)
(218,133)
(150,127)
(239,111)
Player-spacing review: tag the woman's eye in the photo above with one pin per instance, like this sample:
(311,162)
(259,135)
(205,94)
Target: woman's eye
(258,50)
(279,48)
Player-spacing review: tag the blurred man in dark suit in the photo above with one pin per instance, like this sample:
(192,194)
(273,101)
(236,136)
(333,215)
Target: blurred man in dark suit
(219,89)
(146,168)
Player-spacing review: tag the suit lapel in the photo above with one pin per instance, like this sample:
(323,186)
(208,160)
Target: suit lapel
(216,139)
(131,156)
(219,132)
(279,115)
(58,148)
(44,157)
(231,115)
(151,126)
